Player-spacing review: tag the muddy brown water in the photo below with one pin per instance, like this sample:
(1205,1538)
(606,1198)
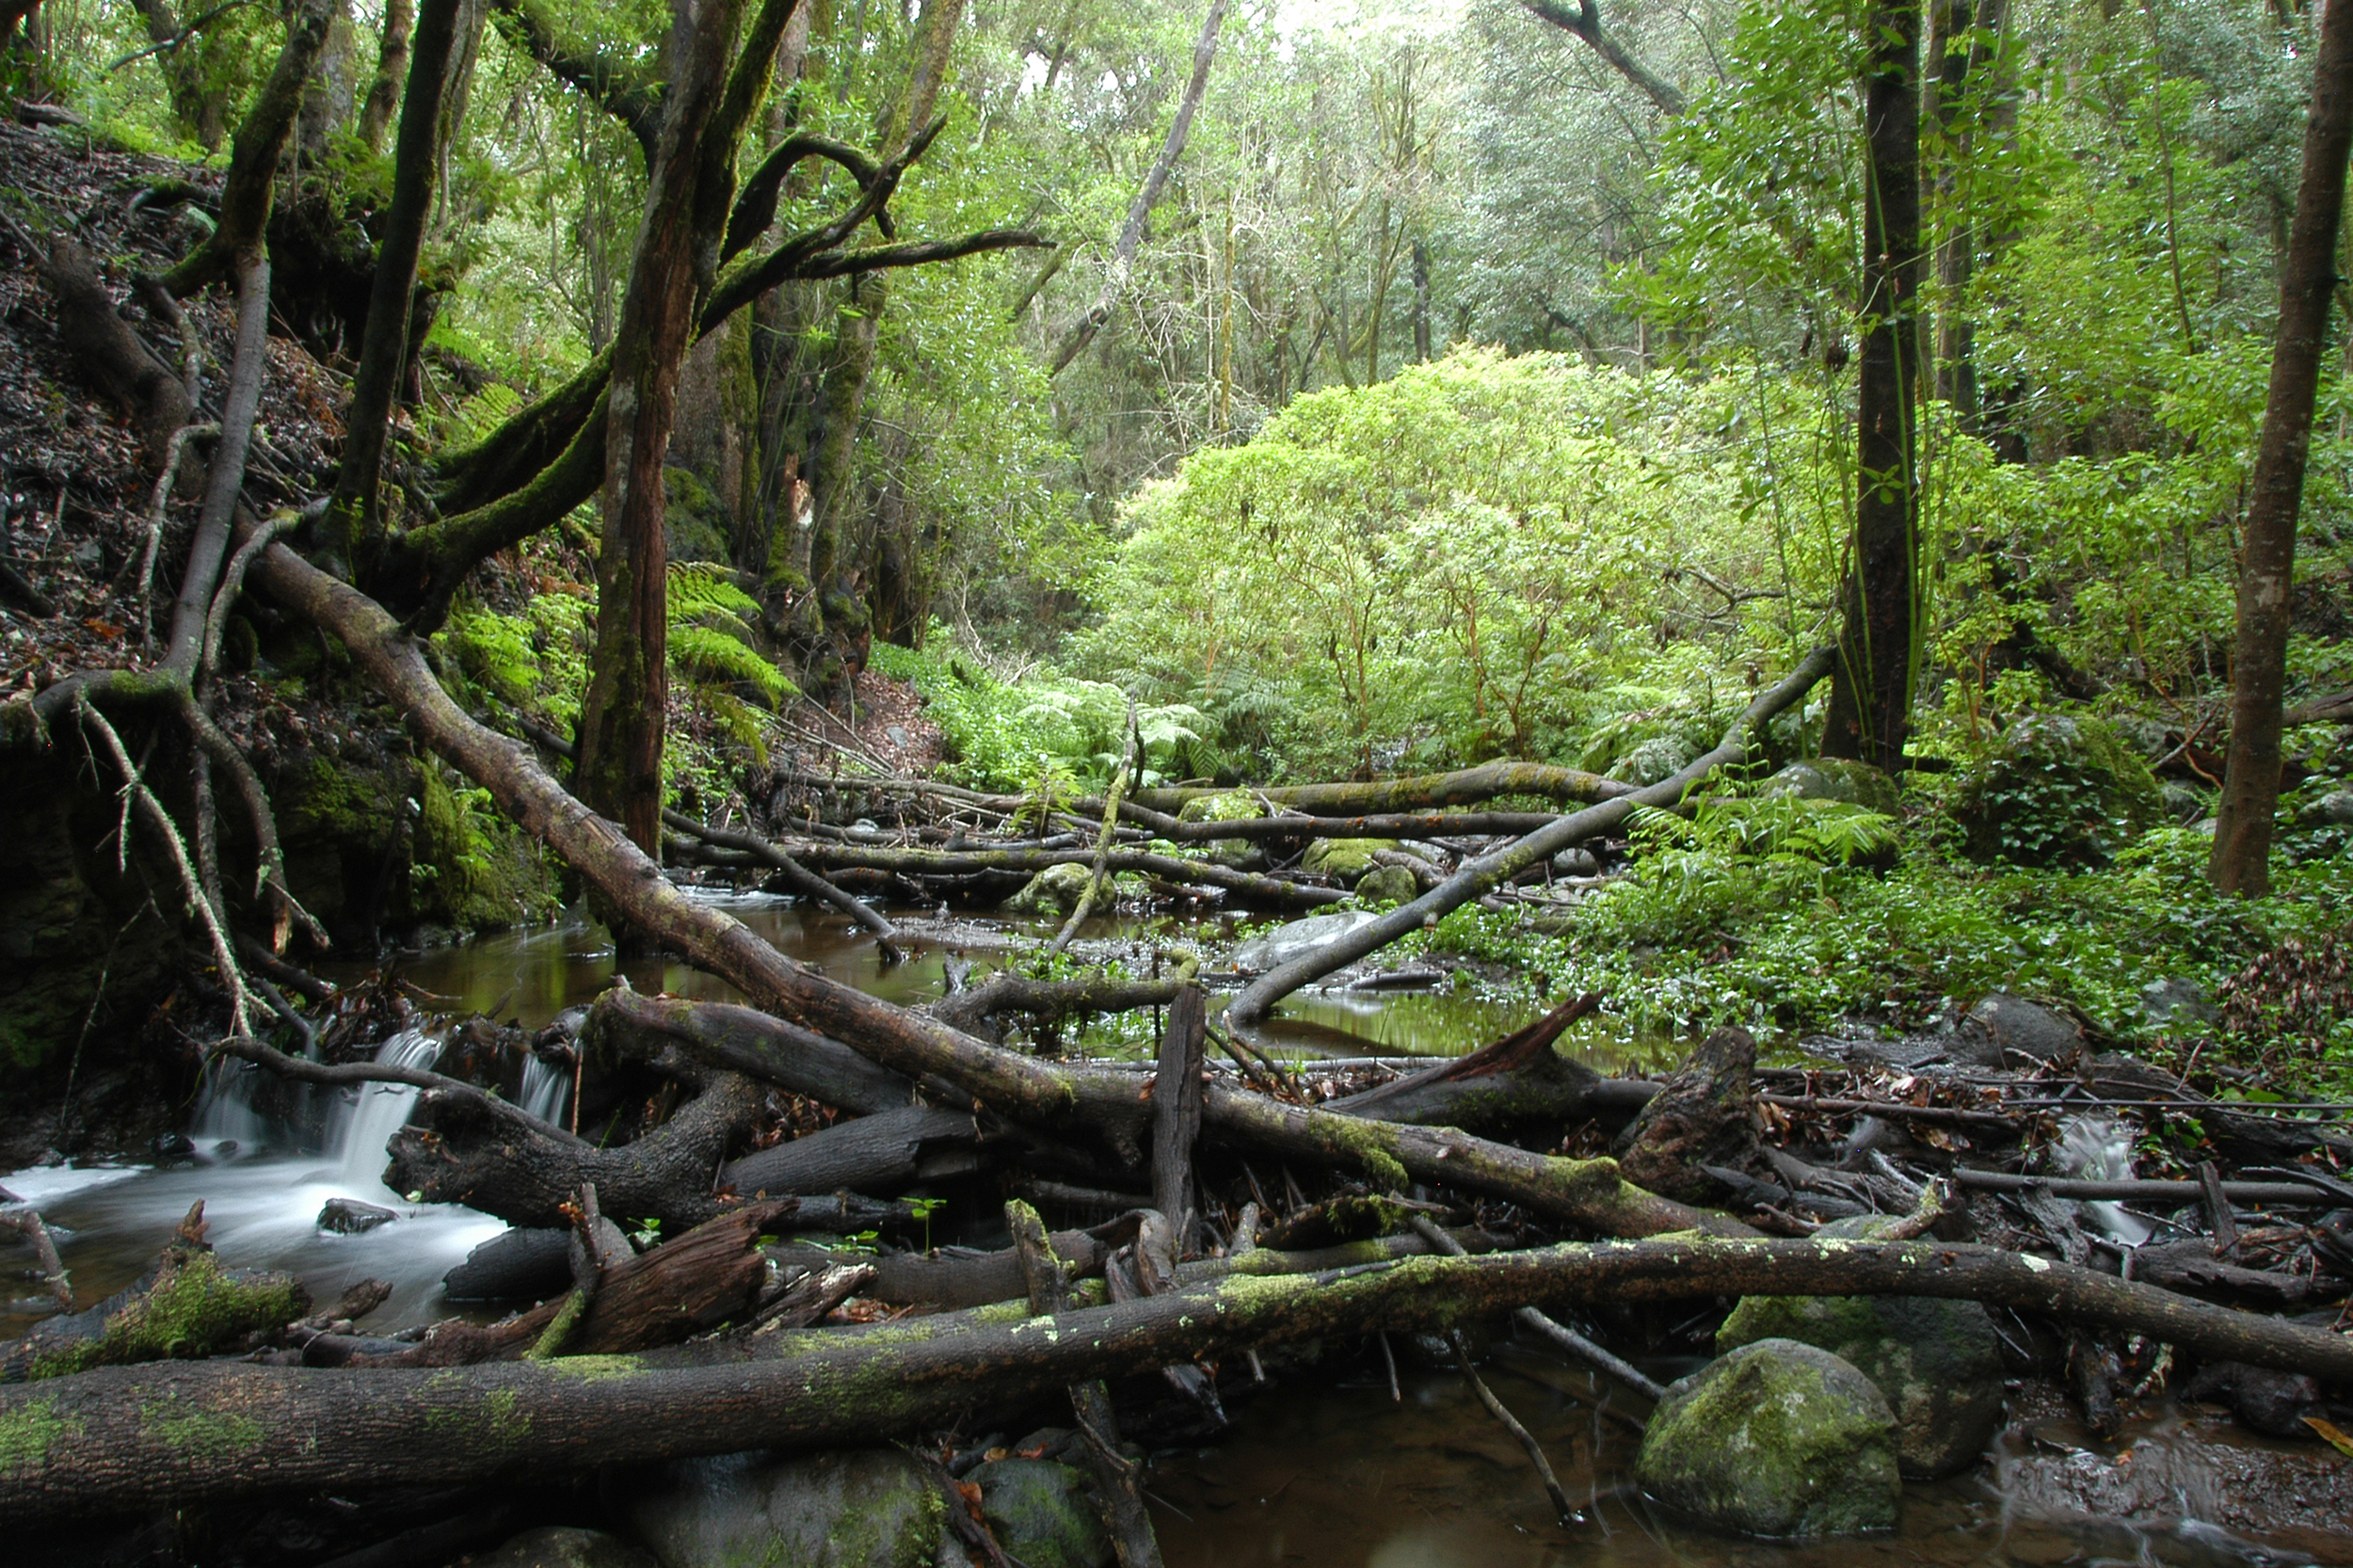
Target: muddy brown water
(1323,1470)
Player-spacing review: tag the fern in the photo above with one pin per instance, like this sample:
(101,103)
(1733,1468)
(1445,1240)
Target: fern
(713,625)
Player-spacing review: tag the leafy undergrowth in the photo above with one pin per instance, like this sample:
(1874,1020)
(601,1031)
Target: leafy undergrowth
(1690,939)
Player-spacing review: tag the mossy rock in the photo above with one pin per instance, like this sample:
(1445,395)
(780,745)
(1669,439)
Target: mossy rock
(1343,859)
(473,870)
(1839,779)
(1042,1513)
(564,1546)
(1055,890)
(1232,806)
(1385,886)
(2063,790)
(1937,1362)
(1777,1439)
(865,1508)
(1658,758)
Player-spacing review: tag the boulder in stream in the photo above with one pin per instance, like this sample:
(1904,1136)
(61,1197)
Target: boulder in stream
(1042,1513)
(1233,806)
(1343,859)
(863,1508)
(1384,886)
(1272,950)
(1055,890)
(1776,1439)
(1938,1363)
(350,1217)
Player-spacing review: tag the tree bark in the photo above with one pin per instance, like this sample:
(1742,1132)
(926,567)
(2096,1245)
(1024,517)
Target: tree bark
(117,1439)
(1585,22)
(1176,1111)
(225,479)
(2241,860)
(622,715)
(1871,690)
(392,71)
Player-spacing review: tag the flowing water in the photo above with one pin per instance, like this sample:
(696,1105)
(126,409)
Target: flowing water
(1327,1472)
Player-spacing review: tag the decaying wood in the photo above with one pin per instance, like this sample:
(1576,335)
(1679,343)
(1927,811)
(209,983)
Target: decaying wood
(1176,1110)
(875,1155)
(127,1437)
(630,1025)
(711,1275)
(1517,1079)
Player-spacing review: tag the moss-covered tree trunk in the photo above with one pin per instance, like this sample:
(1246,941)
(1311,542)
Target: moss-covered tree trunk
(621,721)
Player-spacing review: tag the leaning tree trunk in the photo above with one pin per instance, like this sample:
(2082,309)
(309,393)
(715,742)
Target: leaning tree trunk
(2241,861)
(1870,707)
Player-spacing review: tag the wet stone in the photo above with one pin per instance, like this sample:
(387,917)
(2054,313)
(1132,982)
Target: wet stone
(562,1546)
(350,1217)
(1938,1363)
(1042,1513)
(1775,1439)
(865,1508)
(1277,948)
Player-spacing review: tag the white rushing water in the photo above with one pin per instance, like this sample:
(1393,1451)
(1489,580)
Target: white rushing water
(546,1087)
(262,1208)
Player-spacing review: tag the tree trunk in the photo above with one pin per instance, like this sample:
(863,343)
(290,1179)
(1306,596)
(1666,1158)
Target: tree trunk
(355,518)
(622,717)
(120,1439)
(1871,690)
(392,71)
(2241,861)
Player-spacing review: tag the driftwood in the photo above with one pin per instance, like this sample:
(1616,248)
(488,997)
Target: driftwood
(1519,1079)
(1491,871)
(528,1264)
(1176,1110)
(128,1437)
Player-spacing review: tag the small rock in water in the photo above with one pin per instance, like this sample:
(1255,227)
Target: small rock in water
(1042,1513)
(350,1217)
(1776,1439)
(173,1145)
(863,1507)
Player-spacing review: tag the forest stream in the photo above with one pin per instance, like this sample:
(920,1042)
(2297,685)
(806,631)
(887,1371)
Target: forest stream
(1346,1463)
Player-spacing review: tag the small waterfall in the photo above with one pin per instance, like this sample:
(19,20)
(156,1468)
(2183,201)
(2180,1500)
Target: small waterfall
(2094,1148)
(225,1114)
(545,1088)
(357,1144)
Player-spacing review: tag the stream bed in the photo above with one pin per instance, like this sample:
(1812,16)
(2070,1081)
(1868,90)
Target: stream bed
(1325,1470)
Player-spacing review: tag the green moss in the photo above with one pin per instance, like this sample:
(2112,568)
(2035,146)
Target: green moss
(194,1308)
(597,1368)
(26,1435)
(1345,858)
(206,1437)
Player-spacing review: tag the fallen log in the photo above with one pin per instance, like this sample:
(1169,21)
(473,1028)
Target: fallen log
(1518,1079)
(1419,793)
(632,1026)
(797,876)
(2278,1195)
(123,1438)
(1487,873)
(876,1155)
(1055,1000)
(1249,886)
(528,1264)
(453,1152)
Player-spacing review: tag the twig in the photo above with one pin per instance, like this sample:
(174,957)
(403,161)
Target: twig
(155,504)
(1511,1423)
(135,790)
(1559,1334)
(1085,906)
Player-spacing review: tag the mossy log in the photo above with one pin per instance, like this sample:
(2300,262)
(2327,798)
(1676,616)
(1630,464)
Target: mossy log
(125,1438)
(190,1306)
(967,862)
(1421,793)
